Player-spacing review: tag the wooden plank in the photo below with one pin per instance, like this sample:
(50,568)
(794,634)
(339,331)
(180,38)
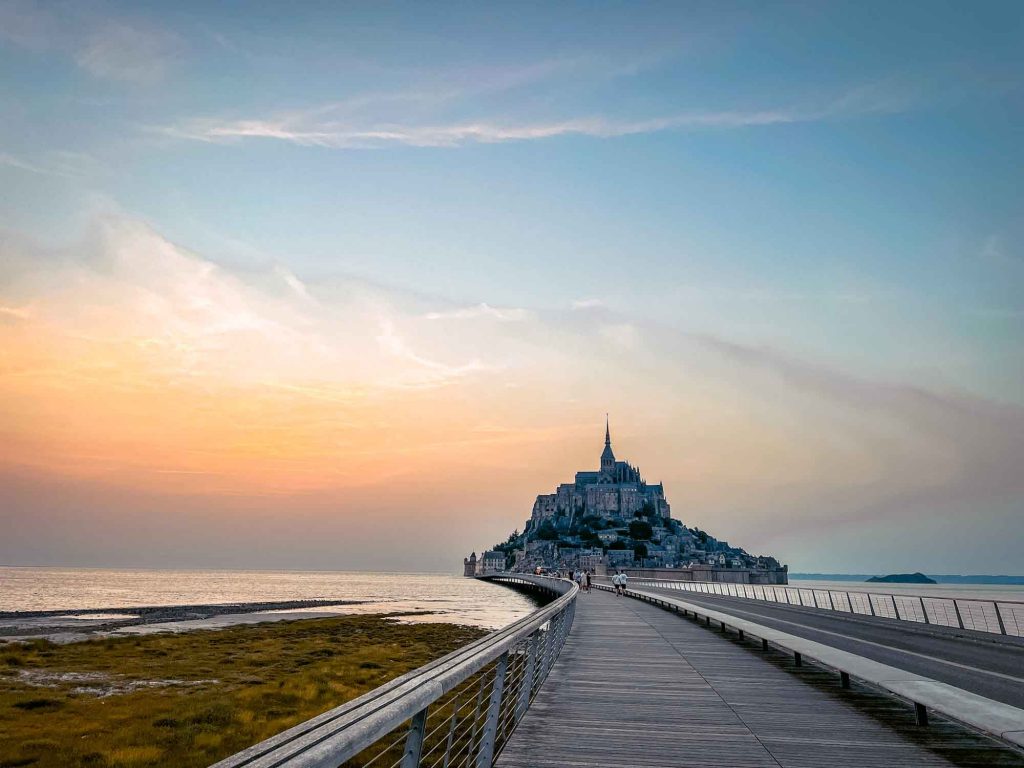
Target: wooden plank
(639,687)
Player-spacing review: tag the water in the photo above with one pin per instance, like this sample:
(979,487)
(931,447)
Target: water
(450,598)
(999,592)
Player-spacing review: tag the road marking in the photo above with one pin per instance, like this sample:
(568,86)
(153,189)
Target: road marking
(883,645)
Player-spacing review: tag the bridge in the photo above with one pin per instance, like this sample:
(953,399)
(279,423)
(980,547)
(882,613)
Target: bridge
(653,679)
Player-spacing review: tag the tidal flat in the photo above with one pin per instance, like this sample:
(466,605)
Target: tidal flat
(193,698)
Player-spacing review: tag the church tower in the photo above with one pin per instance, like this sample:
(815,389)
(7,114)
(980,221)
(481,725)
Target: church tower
(607,457)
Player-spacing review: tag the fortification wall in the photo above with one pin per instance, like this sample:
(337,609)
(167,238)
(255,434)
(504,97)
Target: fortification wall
(724,575)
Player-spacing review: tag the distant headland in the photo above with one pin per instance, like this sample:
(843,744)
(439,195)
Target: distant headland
(944,578)
(902,578)
(613,518)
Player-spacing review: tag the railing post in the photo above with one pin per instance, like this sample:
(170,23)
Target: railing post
(527,684)
(831,602)
(959,618)
(895,608)
(922,714)
(476,717)
(549,651)
(924,611)
(414,740)
(999,618)
(451,737)
(485,755)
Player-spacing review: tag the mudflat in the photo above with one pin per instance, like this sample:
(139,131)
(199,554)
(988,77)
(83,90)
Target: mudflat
(190,699)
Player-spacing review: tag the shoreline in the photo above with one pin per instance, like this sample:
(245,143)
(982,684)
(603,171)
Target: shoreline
(74,625)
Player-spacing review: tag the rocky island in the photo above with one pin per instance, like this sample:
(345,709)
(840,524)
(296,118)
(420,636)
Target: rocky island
(902,578)
(611,519)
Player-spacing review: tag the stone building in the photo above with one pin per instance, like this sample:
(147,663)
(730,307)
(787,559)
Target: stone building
(616,489)
(492,561)
(469,565)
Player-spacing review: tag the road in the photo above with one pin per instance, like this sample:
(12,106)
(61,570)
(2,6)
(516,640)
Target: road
(988,665)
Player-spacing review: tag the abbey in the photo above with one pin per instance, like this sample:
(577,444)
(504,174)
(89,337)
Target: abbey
(617,489)
(612,518)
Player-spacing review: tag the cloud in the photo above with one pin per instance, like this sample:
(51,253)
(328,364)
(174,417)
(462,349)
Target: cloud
(127,288)
(624,335)
(587,303)
(313,128)
(63,164)
(510,314)
(128,360)
(15,313)
(134,54)
(124,50)
(434,372)
(980,441)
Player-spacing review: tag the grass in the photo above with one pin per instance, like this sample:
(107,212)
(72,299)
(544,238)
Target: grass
(192,699)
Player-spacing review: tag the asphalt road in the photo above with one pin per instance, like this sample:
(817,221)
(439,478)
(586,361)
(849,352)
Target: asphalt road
(988,665)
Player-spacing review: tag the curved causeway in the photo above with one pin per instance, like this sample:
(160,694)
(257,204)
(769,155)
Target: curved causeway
(639,687)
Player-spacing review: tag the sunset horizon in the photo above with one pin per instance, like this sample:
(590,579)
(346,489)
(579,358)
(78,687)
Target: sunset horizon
(347,291)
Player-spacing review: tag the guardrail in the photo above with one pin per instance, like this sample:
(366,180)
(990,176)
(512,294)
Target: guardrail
(999,617)
(455,712)
(991,717)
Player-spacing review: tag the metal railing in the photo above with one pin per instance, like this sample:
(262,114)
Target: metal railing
(456,712)
(995,616)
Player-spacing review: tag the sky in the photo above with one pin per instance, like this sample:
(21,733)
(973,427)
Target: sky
(345,285)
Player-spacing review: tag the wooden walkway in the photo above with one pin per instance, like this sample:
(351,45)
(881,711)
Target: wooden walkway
(639,687)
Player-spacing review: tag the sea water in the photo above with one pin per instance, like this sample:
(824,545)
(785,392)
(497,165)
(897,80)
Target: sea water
(444,596)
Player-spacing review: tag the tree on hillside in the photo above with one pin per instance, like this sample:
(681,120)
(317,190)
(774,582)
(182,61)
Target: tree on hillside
(547,531)
(640,529)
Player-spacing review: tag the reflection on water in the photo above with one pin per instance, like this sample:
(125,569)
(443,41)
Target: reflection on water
(448,598)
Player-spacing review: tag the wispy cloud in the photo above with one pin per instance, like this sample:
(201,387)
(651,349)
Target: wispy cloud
(131,51)
(16,313)
(135,54)
(480,311)
(321,127)
(57,163)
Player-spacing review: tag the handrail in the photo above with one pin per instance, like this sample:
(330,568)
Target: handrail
(992,717)
(1000,617)
(510,661)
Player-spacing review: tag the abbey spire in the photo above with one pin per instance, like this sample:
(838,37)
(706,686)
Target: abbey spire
(607,457)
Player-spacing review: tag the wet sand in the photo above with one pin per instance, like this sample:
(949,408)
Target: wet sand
(72,626)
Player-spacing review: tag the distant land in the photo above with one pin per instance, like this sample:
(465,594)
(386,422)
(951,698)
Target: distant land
(902,578)
(939,578)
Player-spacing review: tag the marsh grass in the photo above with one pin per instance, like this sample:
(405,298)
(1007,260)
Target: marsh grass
(201,695)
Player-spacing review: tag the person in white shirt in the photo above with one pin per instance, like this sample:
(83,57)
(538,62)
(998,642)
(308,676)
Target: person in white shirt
(617,583)
(623,581)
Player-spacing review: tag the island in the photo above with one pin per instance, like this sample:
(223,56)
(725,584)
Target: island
(902,578)
(613,519)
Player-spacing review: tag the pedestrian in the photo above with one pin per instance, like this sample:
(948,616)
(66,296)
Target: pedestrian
(623,581)
(616,582)
(588,581)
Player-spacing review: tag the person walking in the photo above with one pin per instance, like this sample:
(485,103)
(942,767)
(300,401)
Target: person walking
(588,581)
(616,582)
(623,581)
